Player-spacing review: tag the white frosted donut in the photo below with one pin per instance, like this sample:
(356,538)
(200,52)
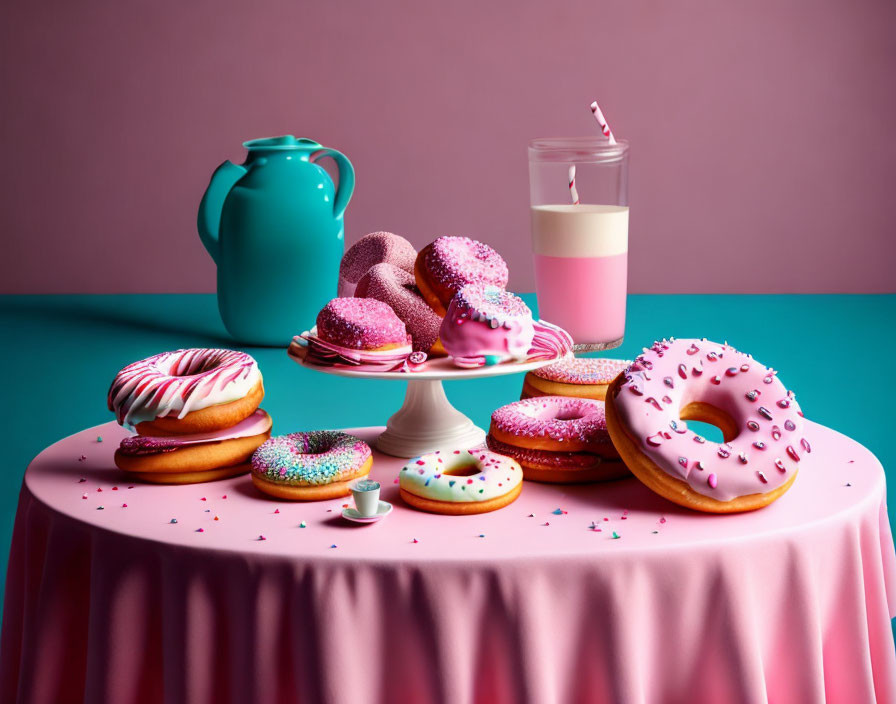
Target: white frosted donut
(460,481)
(177,383)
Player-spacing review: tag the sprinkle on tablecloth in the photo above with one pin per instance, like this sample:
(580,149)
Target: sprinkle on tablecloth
(261,537)
(99,438)
(302,524)
(173,520)
(559,512)
(81,480)
(616,535)
(200,530)
(276,510)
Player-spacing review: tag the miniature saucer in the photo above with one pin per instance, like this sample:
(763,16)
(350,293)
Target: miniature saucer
(383,510)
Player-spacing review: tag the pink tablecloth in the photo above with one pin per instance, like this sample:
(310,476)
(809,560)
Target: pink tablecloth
(788,604)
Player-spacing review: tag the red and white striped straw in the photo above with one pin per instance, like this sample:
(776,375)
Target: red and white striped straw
(601,120)
(573,193)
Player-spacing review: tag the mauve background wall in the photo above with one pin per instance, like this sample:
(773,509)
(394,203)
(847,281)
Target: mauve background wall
(762,132)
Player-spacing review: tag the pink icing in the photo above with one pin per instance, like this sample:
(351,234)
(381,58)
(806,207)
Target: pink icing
(370,250)
(175,383)
(308,347)
(396,288)
(456,261)
(583,370)
(560,418)
(256,424)
(545,458)
(673,373)
(361,324)
(488,322)
(549,342)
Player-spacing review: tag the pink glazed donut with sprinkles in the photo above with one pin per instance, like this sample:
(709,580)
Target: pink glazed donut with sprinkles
(556,439)
(447,265)
(674,381)
(583,377)
(486,325)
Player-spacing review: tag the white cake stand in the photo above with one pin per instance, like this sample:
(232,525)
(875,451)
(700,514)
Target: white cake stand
(427,421)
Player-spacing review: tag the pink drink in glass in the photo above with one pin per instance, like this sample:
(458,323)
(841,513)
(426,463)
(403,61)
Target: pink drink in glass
(581,269)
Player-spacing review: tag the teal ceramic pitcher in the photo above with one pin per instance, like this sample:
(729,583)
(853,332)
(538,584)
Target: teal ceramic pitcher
(274,227)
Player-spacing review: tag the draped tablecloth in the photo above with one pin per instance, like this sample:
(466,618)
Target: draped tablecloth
(597,593)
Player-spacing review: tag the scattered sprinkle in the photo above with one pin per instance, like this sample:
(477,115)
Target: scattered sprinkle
(124,505)
(662,519)
(333,545)
(114,488)
(531,515)
(616,535)
(208,510)
(276,510)
(203,499)
(82,458)
(302,524)
(413,541)
(200,530)
(546,523)
(558,512)
(100,489)
(99,438)
(81,480)
(654,532)
(99,508)
(173,520)
(83,496)
(395,481)
(224,497)
(131,486)
(847,484)
(261,537)
(216,518)
(482,535)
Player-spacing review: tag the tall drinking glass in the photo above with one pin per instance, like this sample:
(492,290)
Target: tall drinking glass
(581,250)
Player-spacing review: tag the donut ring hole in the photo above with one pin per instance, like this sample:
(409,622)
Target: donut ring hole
(466,470)
(569,414)
(707,413)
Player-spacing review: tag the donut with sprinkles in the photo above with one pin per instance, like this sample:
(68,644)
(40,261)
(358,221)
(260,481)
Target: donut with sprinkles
(582,377)
(556,439)
(320,464)
(764,443)
(460,482)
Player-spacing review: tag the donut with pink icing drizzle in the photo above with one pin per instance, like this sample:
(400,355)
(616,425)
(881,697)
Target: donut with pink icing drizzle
(674,381)
(174,384)
(450,263)
(370,250)
(397,288)
(486,325)
(583,377)
(556,439)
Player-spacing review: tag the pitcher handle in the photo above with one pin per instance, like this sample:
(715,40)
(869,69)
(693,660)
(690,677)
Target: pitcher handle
(208,221)
(346,178)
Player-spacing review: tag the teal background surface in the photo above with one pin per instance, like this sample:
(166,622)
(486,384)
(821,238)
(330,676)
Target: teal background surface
(60,353)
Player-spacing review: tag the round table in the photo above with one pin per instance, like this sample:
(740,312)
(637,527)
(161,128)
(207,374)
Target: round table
(589,593)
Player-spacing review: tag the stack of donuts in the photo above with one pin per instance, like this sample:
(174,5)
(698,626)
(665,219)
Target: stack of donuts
(450,298)
(195,413)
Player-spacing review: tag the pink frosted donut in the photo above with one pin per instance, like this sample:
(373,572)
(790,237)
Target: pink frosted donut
(361,324)
(396,288)
(679,380)
(370,250)
(486,325)
(556,439)
(576,376)
(450,263)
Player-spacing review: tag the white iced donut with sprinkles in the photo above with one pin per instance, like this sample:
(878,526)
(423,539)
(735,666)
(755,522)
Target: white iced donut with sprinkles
(674,381)
(460,482)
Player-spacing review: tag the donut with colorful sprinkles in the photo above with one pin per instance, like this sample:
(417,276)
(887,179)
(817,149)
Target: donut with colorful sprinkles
(460,482)
(675,381)
(583,377)
(311,466)
(556,439)
(448,264)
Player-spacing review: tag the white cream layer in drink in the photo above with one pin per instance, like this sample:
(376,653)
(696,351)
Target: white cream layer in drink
(581,268)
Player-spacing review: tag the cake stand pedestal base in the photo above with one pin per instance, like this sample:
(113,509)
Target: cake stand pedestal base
(427,422)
